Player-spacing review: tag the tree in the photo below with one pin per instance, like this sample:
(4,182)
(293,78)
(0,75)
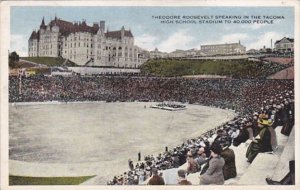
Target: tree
(13,59)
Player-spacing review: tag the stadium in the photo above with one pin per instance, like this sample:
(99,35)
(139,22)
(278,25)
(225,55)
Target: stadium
(96,105)
(80,126)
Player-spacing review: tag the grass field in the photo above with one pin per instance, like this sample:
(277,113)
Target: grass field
(49,61)
(233,68)
(21,180)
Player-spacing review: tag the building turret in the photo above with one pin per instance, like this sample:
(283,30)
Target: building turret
(43,26)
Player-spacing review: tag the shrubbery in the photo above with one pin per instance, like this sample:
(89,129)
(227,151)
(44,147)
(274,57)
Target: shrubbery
(230,68)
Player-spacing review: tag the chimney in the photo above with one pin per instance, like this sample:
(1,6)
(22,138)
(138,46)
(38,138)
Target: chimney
(102,25)
(271,44)
(122,32)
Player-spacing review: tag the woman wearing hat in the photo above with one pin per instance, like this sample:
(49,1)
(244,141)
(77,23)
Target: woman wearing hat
(263,143)
(214,173)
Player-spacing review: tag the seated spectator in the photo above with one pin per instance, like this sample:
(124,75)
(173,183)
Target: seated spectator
(214,173)
(260,144)
(288,118)
(192,166)
(201,158)
(175,160)
(156,179)
(223,136)
(229,169)
(182,178)
(246,132)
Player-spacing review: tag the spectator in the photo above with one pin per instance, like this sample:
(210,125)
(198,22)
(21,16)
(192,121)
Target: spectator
(192,166)
(263,143)
(229,169)
(214,174)
(156,179)
(182,178)
(201,158)
(246,132)
(130,164)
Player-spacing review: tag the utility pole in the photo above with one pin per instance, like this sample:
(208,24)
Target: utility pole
(20,82)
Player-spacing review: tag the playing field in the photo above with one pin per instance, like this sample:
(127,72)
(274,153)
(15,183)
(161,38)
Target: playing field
(98,138)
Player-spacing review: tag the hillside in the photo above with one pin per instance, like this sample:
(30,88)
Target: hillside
(233,68)
(49,61)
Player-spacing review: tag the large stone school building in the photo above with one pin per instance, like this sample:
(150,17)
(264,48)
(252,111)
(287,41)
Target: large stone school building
(85,45)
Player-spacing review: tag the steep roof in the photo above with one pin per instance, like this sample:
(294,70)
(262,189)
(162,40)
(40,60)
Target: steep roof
(66,27)
(34,35)
(117,34)
(289,39)
(43,26)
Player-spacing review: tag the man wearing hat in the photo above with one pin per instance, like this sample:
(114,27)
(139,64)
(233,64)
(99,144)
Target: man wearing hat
(214,173)
(229,169)
(246,132)
(181,178)
(156,179)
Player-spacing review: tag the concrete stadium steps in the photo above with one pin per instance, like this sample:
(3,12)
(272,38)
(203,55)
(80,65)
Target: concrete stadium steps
(264,165)
(288,154)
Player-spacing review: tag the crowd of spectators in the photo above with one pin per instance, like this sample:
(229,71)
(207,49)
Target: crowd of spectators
(258,102)
(241,95)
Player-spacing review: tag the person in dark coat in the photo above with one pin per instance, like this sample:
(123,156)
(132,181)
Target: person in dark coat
(246,132)
(263,144)
(214,173)
(288,119)
(156,179)
(229,169)
(130,164)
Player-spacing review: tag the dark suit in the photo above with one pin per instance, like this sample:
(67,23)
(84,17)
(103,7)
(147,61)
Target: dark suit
(229,169)
(156,180)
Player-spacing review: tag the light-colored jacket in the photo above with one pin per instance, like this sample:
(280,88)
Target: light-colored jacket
(214,173)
